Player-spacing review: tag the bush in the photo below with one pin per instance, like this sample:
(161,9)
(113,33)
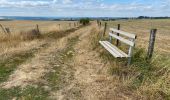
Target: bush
(85,21)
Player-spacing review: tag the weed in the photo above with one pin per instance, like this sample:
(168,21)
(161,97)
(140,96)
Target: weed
(8,65)
(27,93)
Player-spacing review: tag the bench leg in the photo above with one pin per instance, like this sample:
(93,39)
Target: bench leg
(130,53)
(110,39)
(129,61)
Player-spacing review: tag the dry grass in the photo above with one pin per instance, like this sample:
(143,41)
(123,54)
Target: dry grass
(91,63)
(15,44)
(148,80)
(142,29)
(44,26)
(33,71)
(24,30)
(30,35)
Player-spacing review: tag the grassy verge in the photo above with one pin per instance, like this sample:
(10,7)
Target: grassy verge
(146,79)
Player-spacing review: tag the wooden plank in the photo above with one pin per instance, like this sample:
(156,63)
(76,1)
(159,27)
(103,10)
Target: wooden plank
(108,49)
(121,53)
(124,33)
(114,50)
(123,39)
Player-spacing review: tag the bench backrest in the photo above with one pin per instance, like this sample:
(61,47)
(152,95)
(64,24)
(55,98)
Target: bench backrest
(129,41)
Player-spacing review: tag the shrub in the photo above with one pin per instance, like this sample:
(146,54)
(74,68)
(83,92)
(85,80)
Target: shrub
(29,35)
(85,21)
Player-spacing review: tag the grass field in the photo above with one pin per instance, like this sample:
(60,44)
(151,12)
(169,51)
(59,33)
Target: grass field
(44,26)
(142,29)
(68,63)
(153,77)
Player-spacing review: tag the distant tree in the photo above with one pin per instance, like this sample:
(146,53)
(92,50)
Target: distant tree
(85,21)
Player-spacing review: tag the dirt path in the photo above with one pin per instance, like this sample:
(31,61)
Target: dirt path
(90,79)
(32,71)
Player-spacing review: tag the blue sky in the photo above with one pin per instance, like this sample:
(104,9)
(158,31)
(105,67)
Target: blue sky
(85,8)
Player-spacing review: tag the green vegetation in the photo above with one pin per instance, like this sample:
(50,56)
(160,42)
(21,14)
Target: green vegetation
(8,65)
(84,21)
(28,93)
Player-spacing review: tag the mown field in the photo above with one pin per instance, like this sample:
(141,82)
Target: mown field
(67,63)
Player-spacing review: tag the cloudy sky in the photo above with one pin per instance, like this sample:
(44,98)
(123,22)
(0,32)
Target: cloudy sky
(85,8)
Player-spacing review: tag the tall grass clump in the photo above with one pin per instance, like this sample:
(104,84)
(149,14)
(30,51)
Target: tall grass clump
(30,35)
(95,37)
(152,78)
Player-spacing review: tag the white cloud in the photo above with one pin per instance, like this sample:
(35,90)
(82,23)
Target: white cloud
(67,1)
(87,7)
(6,3)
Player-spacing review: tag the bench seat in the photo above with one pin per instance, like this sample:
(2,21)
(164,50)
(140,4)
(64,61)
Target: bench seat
(116,52)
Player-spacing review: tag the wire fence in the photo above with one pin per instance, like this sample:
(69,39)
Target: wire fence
(15,27)
(142,28)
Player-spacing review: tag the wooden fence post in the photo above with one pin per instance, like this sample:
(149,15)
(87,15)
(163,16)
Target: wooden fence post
(100,24)
(74,24)
(117,41)
(3,29)
(37,27)
(151,43)
(105,27)
(59,26)
(8,31)
(70,25)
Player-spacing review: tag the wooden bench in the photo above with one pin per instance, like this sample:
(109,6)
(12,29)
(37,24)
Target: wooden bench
(114,50)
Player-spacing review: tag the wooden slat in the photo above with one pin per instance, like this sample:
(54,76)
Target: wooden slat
(121,53)
(124,33)
(113,49)
(122,39)
(108,49)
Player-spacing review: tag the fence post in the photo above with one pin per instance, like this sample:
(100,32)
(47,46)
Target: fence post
(8,31)
(151,43)
(105,27)
(37,27)
(3,28)
(117,41)
(100,24)
(70,25)
(59,26)
(74,24)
